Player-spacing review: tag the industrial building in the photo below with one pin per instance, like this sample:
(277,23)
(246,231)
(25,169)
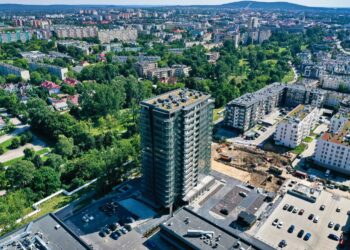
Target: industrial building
(176,135)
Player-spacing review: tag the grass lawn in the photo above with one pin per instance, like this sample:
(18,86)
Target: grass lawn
(308,139)
(216,115)
(6,144)
(300,149)
(289,77)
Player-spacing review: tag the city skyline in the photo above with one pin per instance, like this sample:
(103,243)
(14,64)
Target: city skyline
(313,3)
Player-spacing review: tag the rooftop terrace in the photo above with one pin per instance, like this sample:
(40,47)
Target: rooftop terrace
(343,137)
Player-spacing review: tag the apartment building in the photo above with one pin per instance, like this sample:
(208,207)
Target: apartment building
(76,32)
(176,134)
(298,124)
(122,35)
(181,70)
(9,37)
(8,69)
(244,112)
(53,69)
(302,94)
(333,147)
(143,67)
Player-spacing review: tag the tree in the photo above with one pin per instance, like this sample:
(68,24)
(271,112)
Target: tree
(99,100)
(29,154)
(54,161)
(26,137)
(20,174)
(64,146)
(15,143)
(45,181)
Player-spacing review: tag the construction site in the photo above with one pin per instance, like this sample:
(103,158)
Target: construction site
(250,165)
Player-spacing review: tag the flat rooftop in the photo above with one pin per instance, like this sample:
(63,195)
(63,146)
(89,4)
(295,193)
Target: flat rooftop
(185,220)
(47,232)
(298,113)
(262,94)
(176,99)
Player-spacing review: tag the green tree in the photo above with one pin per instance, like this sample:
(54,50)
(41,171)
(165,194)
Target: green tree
(45,181)
(64,146)
(20,174)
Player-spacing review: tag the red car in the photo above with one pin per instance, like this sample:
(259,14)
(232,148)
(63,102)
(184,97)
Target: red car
(301,212)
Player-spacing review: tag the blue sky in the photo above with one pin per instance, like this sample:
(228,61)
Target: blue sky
(321,3)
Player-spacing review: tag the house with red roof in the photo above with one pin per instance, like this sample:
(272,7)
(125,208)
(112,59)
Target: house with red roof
(52,87)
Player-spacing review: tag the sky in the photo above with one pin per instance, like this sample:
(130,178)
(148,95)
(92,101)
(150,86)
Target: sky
(317,3)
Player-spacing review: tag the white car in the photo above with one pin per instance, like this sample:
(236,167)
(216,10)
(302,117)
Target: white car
(91,218)
(85,219)
(280,224)
(316,219)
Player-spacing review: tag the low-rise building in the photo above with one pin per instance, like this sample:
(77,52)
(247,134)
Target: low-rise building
(298,124)
(52,87)
(333,147)
(8,69)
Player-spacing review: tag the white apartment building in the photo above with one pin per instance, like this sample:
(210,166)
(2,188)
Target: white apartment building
(333,147)
(296,126)
(7,69)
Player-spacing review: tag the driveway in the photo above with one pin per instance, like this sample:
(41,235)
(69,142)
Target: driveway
(36,144)
(19,129)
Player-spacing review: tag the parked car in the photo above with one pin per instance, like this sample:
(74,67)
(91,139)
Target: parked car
(291,229)
(333,237)
(112,227)
(286,206)
(280,224)
(301,233)
(301,212)
(103,233)
(290,209)
(282,243)
(243,194)
(316,219)
(275,222)
(311,216)
(307,236)
(115,235)
(295,210)
(322,207)
(336,227)
(330,224)
(337,210)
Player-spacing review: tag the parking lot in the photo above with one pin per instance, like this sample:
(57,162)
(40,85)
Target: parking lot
(90,230)
(319,231)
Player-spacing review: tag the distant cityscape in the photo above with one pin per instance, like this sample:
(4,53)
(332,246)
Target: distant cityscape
(174,127)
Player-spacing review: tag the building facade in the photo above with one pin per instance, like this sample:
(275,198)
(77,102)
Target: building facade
(333,147)
(244,112)
(298,124)
(60,72)
(8,69)
(176,134)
